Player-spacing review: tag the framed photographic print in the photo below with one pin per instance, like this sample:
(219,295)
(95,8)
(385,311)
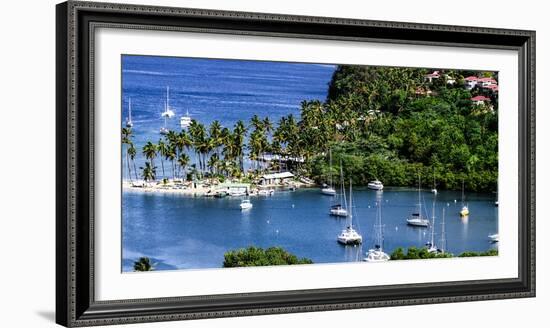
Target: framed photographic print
(214,163)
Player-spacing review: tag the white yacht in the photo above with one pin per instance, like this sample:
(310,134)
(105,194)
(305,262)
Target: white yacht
(416,219)
(377,254)
(339,209)
(494,238)
(129,122)
(185,120)
(375,185)
(245,204)
(350,236)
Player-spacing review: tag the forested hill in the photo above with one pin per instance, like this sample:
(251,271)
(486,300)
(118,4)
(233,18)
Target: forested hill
(392,124)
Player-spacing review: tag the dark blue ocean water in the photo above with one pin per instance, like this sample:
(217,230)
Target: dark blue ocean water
(180,232)
(212,89)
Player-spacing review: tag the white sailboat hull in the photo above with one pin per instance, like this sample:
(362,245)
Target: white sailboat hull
(350,237)
(342,212)
(328,191)
(376,255)
(418,222)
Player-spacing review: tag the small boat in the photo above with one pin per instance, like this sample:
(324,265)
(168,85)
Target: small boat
(185,120)
(416,219)
(236,192)
(129,122)
(220,194)
(328,189)
(494,238)
(464,211)
(375,185)
(432,248)
(338,209)
(377,254)
(245,204)
(266,192)
(350,236)
(164,130)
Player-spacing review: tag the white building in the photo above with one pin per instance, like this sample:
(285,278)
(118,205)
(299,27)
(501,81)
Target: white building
(276,178)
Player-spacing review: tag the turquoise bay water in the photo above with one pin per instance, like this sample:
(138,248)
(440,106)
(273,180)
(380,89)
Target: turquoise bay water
(181,232)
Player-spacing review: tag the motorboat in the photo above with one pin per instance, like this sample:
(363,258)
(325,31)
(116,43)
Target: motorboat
(350,236)
(375,185)
(245,204)
(185,120)
(494,238)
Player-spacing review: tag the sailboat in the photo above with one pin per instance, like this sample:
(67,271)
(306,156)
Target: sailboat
(434,189)
(377,253)
(416,219)
(431,244)
(464,211)
(328,189)
(129,122)
(443,239)
(185,120)
(350,236)
(340,209)
(168,112)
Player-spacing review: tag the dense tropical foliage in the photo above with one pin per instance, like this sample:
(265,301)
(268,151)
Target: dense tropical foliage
(380,123)
(255,256)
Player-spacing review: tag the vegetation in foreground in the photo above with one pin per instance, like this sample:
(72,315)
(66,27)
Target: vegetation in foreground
(255,256)
(143,264)
(414,253)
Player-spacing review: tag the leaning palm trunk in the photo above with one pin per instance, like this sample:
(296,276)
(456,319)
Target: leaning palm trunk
(128,163)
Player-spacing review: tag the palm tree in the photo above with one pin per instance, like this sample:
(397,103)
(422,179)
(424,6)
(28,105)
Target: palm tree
(183,161)
(149,172)
(213,163)
(171,156)
(126,140)
(162,150)
(132,153)
(150,151)
(143,264)
(239,133)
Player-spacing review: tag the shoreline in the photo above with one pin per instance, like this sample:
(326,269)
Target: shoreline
(208,189)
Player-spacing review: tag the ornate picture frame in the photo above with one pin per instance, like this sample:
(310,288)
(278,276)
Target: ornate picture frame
(77,22)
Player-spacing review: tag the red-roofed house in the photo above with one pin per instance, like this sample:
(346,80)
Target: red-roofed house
(492,87)
(471,82)
(431,76)
(480,100)
(487,81)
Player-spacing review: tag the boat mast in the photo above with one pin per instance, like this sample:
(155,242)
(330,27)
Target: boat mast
(433,224)
(130,110)
(330,168)
(443,240)
(463,192)
(379,240)
(419,199)
(350,206)
(343,187)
